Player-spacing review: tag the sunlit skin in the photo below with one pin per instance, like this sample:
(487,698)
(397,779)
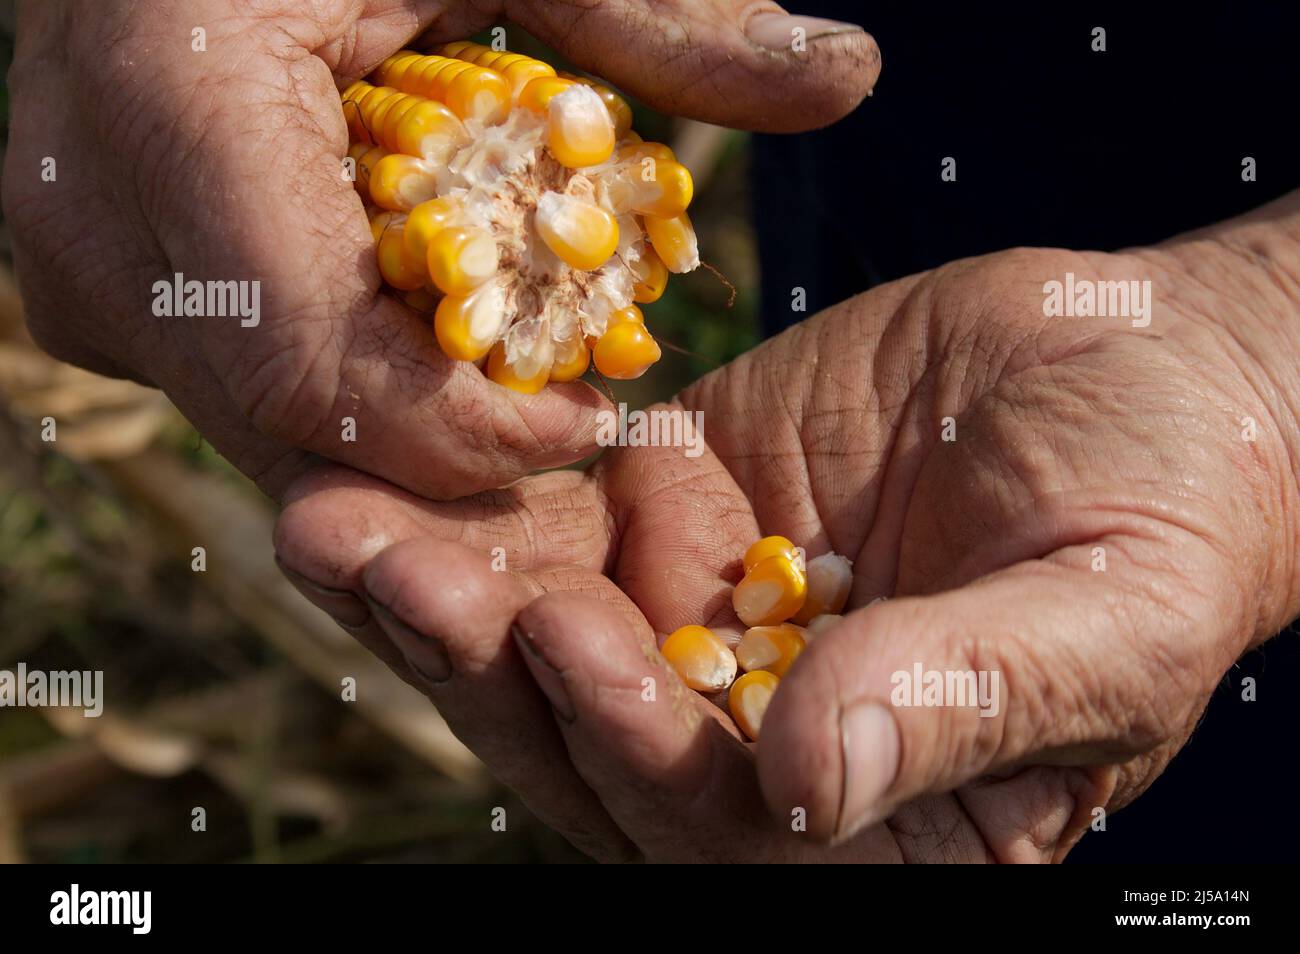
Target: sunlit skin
(1071,435)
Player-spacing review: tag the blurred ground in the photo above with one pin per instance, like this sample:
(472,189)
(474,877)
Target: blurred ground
(223,686)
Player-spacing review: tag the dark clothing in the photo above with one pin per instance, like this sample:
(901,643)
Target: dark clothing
(1058,145)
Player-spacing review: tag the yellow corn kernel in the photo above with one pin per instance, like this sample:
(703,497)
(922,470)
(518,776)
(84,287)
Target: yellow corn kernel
(479,93)
(400,183)
(581,234)
(665,195)
(391,71)
(381,222)
(770,547)
(426,219)
(393,118)
(500,372)
(774,648)
(366,167)
(461,258)
(571,359)
(641,150)
(770,593)
(394,264)
(625,351)
(674,242)
(537,94)
(651,278)
(522,72)
(830,577)
(460,46)
(579,130)
(818,625)
(378,118)
(620,113)
(701,658)
(631,313)
(518,70)
(749,698)
(467,326)
(429,130)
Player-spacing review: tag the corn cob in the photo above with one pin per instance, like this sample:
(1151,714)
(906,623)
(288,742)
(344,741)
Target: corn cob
(520,207)
(777,588)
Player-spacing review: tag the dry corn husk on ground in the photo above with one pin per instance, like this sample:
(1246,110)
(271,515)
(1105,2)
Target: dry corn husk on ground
(521,207)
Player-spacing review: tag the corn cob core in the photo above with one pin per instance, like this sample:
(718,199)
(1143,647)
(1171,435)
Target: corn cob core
(524,202)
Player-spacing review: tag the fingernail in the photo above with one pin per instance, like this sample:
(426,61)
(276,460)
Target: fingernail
(871,746)
(783,31)
(346,608)
(423,653)
(547,677)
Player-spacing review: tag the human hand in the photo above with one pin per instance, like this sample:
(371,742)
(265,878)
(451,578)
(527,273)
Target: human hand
(1070,435)
(225,164)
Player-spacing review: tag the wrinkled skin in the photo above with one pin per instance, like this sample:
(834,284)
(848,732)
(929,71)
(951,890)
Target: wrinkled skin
(227,165)
(1070,434)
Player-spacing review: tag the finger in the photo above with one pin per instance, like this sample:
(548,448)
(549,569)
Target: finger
(1064,682)
(335,520)
(449,613)
(682,522)
(662,761)
(732,62)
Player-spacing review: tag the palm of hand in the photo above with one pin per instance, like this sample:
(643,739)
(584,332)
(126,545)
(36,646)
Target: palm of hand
(1066,436)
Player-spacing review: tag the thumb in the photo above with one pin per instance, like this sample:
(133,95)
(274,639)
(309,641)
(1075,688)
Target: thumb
(732,62)
(1038,663)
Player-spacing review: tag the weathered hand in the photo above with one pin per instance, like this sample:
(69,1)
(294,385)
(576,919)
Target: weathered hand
(1071,440)
(225,165)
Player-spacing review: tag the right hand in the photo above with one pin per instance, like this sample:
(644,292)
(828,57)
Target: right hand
(1070,434)
(225,165)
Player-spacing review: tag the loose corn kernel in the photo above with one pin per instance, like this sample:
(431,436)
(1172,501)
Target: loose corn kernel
(774,648)
(770,593)
(581,234)
(427,219)
(674,242)
(502,373)
(830,577)
(702,659)
(651,278)
(770,547)
(579,130)
(571,359)
(820,624)
(399,183)
(394,264)
(467,326)
(461,258)
(625,351)
(749,698)
(770,647)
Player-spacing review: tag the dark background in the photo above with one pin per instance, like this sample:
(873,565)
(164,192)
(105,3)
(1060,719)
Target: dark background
(1057,145)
